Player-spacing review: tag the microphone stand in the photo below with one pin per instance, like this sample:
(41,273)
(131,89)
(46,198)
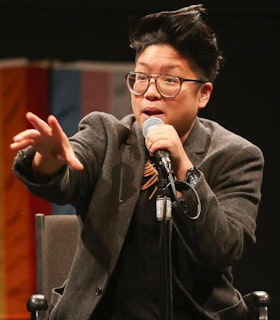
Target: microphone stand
(166,179)
(163,211)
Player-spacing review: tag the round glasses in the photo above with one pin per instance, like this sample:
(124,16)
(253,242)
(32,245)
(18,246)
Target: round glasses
(167,85)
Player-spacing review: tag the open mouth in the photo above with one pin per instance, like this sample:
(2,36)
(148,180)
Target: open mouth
(152,112)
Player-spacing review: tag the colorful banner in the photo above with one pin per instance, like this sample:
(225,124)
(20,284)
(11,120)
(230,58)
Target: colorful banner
(69,91)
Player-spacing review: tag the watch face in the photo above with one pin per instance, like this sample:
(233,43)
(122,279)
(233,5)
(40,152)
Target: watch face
(192,176)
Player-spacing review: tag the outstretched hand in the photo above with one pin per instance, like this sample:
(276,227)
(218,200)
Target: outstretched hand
(48,139)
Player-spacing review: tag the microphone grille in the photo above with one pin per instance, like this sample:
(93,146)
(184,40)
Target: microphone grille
(153,121)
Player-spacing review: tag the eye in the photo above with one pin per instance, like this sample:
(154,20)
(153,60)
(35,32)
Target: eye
(167,79)
(140,77)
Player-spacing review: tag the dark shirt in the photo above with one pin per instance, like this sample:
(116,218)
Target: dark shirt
(135,289)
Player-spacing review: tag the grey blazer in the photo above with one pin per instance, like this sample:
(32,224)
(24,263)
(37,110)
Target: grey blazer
(105,194)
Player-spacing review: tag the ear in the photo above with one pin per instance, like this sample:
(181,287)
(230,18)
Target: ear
(205,93)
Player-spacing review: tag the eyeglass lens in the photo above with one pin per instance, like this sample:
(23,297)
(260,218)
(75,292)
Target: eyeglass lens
(167,85)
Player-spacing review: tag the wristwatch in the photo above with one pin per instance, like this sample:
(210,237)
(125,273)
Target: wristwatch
(192,176)
(191,179)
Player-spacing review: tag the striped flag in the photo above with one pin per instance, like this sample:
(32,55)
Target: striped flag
(69,91)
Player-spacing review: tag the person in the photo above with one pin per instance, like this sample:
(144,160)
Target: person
(166,205)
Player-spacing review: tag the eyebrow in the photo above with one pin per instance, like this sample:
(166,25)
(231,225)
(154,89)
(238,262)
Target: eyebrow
(166,68)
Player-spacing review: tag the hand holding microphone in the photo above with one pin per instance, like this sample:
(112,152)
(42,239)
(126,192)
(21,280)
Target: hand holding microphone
(163,161)
(162,157)
(169,146)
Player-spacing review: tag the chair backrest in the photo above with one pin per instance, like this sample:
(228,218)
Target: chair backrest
(56,241)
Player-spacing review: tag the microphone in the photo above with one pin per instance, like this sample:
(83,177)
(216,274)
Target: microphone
(162,156)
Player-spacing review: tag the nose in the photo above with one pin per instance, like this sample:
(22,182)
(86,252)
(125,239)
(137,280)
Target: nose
(152,91)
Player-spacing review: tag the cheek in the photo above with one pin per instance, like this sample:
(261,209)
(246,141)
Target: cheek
(191,99)
(135,105)
(185,107)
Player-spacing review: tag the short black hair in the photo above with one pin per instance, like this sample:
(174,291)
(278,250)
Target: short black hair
(187,31)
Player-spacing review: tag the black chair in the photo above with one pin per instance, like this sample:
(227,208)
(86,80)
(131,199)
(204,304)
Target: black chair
(56,241)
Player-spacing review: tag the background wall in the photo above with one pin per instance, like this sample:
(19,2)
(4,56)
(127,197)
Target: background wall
(245,99)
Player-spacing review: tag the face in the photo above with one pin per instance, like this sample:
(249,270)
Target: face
(179,111)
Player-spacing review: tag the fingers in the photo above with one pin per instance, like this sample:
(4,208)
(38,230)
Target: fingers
(71,159)
(164,137)
(75,163)
(38,123)
(30,134)
(55,127)
(48,138)
(24,139)
(21,145)
(159,137)
(69,155)
(50,132)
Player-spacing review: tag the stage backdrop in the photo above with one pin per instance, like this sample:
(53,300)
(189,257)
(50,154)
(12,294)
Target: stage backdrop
(69,91)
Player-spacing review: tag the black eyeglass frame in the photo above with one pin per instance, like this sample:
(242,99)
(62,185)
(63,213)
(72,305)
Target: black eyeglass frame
(155,76)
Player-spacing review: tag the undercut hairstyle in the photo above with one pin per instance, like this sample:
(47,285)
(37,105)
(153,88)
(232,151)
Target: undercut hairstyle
(187,31)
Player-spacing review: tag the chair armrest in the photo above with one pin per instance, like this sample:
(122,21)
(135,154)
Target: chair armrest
(36,303)
(257,302)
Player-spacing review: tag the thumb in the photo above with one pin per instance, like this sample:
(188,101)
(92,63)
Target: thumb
(75,163)
(72,161)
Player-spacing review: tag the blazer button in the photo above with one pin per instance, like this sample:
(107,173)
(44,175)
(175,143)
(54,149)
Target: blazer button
(98,291)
